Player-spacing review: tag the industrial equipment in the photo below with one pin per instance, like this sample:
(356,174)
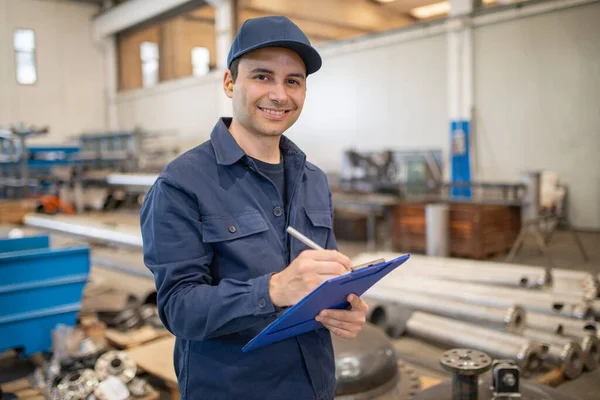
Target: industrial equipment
(471,382)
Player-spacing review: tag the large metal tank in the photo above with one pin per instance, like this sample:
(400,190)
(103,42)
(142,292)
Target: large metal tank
(367,368)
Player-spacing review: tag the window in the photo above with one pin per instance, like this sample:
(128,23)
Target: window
(200,60)
(24,44)
(149,55)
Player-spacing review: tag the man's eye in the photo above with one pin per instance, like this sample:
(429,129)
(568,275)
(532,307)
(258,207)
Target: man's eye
(293,82)
(261,77)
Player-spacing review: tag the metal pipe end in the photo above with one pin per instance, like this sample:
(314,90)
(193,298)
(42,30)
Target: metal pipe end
(515,319)
(542,349)
(528,358)
(572,360)
(582,311)
(591,350)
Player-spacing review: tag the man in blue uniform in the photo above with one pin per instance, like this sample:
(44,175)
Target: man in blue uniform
(214,229)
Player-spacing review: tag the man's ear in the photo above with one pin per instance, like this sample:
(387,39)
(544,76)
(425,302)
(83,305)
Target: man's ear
(228,84)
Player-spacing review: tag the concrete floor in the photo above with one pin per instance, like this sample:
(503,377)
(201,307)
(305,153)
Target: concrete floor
(563,253)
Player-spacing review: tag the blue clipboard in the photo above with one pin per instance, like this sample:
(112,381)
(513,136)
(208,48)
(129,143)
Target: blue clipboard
(331,294)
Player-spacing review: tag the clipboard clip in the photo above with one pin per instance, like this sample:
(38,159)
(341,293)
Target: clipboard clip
(367,264)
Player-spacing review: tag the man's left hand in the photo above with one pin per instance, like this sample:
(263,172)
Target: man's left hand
(345,323)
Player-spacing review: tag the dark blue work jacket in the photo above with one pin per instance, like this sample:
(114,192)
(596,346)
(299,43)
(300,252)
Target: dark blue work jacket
(214,232)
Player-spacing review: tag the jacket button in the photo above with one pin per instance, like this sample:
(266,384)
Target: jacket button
(232,228)
(262,303)
(278,211)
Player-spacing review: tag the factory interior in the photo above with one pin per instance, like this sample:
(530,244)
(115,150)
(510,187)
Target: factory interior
(461,136)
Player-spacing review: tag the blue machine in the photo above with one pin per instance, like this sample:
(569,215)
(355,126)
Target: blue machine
(40,287)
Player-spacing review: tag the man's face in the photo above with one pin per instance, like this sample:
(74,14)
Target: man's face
(269,91)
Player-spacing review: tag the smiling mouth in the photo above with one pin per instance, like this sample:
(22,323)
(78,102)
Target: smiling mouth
(273,112)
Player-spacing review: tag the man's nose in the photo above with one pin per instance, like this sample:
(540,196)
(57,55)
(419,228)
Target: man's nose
(278,93)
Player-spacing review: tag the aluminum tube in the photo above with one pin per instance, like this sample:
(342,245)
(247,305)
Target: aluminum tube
(561,325)
(524,355)
(483,294)
(584,350)
(478,288)
(437,224)
(512,318)
(490,334)
(479,267)
(89,232)
(511,279)
(131,179)
(569,357)
(571,274)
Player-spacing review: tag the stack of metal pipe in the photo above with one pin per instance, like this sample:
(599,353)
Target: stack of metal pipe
(535,316)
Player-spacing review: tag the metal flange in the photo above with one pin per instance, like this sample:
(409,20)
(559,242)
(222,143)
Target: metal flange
(115,363)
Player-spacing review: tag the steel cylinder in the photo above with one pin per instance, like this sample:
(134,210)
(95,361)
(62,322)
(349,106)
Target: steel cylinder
(456,334)
(512,318)
(561,325)
(437,225)
(481,294)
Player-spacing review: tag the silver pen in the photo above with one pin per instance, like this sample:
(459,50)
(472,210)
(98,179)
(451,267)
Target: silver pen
(315,246)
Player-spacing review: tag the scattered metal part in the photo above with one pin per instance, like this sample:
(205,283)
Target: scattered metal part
(128,320)
(138,387)
(38,378)
(115,363)
(505,379)
(79,384)
(512,318)
(149,315)
(528,355)
(88,347)
(466,365)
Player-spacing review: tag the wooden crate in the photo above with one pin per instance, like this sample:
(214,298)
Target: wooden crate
(13,211)
(476,230)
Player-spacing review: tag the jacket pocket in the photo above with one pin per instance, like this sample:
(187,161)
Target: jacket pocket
(220,228)
(241,246)
(319,225)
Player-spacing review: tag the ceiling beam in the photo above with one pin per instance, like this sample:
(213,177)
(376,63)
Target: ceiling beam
(316,29)
(353,14)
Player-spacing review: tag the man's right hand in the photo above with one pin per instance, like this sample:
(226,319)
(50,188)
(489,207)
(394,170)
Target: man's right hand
(304,274)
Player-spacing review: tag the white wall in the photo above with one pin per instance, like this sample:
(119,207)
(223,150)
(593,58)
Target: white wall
(69,95)
(188,108)
(386,97)
(537,97)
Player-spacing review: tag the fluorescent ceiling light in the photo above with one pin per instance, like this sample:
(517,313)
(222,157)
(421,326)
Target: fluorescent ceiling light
(384,1)
(431,10)
(442,8)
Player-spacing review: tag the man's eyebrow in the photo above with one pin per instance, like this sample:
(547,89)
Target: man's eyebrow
(261,70)
(297,75)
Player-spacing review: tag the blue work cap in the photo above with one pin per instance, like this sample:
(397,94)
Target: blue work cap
(257,33)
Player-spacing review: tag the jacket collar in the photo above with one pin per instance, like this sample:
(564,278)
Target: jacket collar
(228,151)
